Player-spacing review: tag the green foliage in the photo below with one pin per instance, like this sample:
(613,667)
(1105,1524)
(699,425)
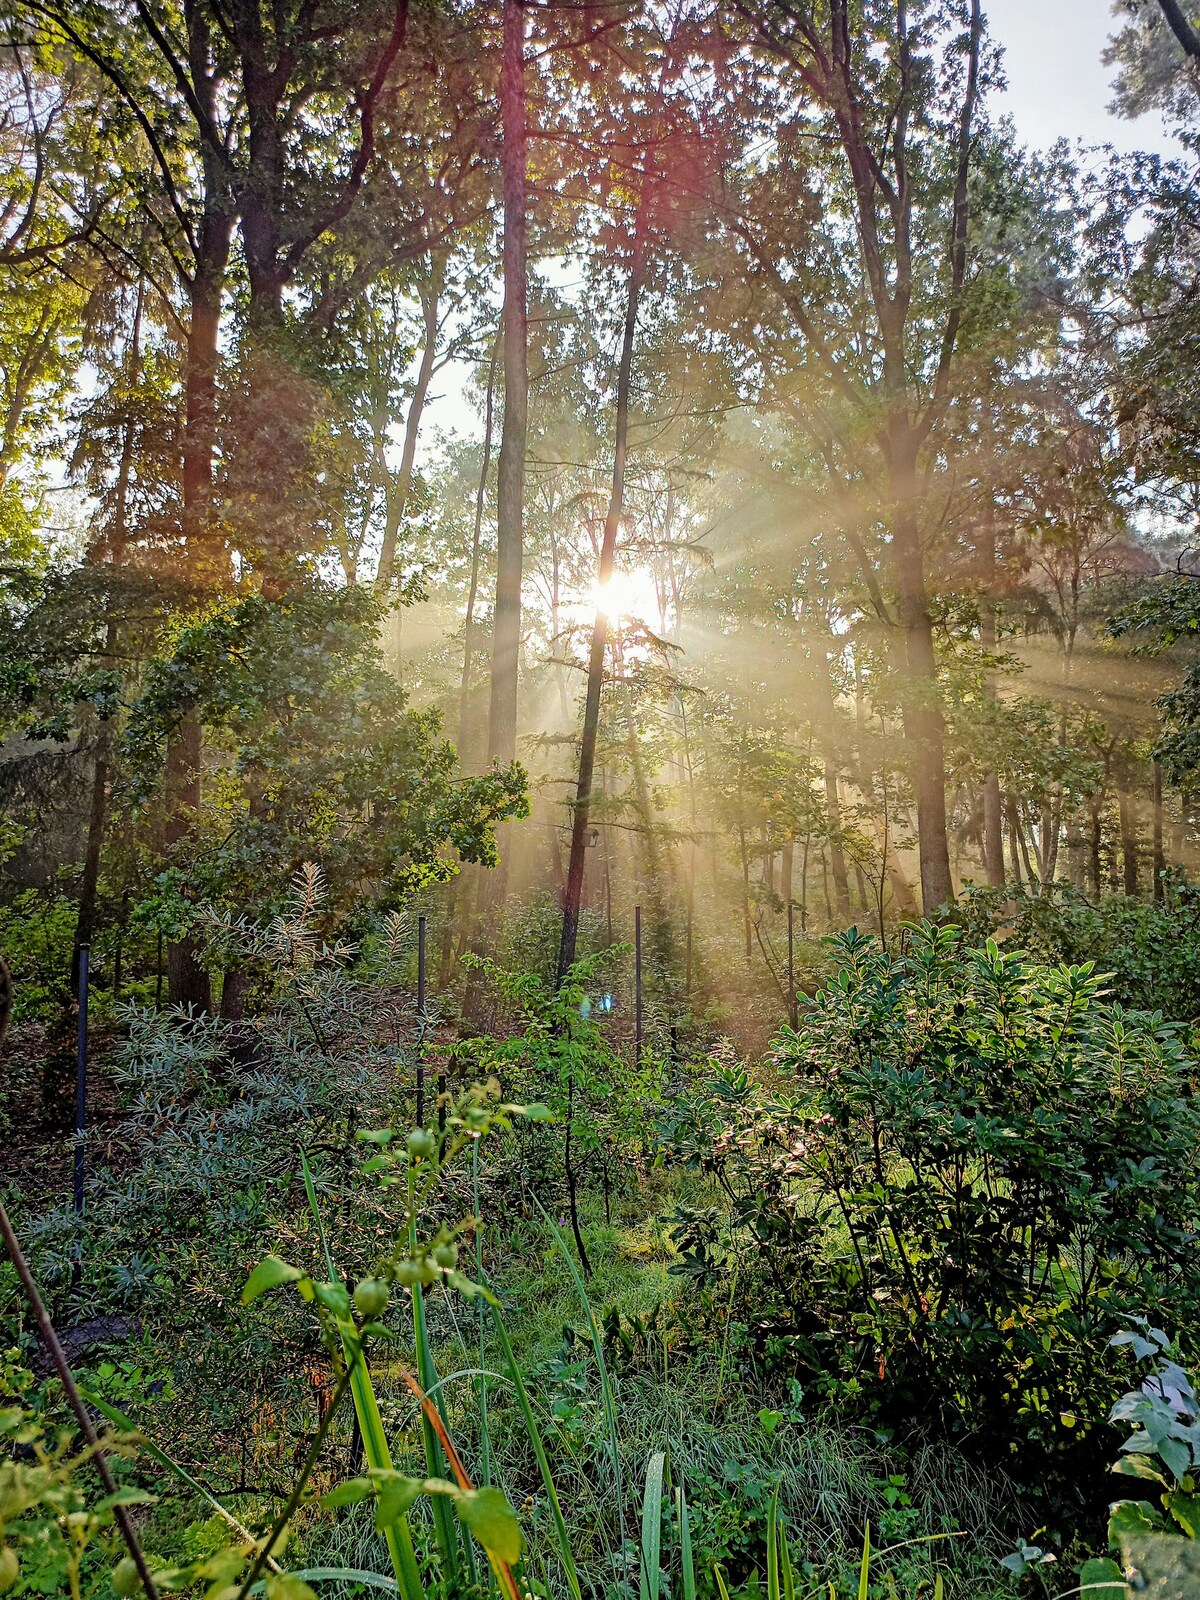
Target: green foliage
(973,1168)
(37,934)
(1148,949)
(327,762)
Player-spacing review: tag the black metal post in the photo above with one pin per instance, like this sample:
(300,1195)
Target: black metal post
(637,960)
(81,1042)
(792,1018)
(421,927)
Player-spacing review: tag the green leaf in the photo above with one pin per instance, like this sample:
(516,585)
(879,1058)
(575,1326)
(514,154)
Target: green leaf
(396,1494)
(1130,1519)
(286,1586)
(1101,1579)
(487,1513)
(1138,1467)
(1185,1508)
(539,1113)
(347,1494)
(268,1274)
(334,1297)
(652,1526)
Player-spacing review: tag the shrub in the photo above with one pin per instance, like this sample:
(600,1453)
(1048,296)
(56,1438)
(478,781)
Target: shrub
(1149,949)
(974,1169)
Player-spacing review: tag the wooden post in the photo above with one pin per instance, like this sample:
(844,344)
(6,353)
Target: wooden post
(81,1039)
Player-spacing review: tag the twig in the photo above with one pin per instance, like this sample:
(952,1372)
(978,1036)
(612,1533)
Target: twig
(58,1356)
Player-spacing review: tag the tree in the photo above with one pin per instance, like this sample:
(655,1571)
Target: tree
(901,104)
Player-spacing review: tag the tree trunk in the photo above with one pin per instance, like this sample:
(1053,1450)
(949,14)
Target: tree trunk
(833,805)
(1160,860)
(993,823)
(205,560)
(510,485)
(1013,835)
(924,728)
(510,467)
(1127,811)
(85,920)
(608,547)
(397,488)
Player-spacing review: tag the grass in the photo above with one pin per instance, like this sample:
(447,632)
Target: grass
(594,1479)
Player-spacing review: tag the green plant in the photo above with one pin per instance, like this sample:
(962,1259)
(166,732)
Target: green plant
(1148,949)
(1157,1545)
(974,1168)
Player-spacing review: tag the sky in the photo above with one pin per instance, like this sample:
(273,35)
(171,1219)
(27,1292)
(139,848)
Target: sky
(1057,84)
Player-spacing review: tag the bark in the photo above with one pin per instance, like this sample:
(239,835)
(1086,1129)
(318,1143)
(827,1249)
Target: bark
(785,872)
(1127,811)
(1181,27)
(398,486)
(993,832)
(510,485)
(85,920)
(993,822)
(1160,860)
(510,467)
(204,557)
(924,726)
(599,642)
(1094,852)
(833,806)
(468,669)
(1013,834)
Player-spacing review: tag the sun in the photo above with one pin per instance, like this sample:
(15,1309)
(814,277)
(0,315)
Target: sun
(630,595)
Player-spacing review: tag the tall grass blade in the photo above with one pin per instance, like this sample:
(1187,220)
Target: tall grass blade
(535,1438)
(485,1438)
(722,1587)
(370,1580)
(686,1562)
(610,1409)
(652,1526)
(786,1574)
(398,1534)
(773,1545)
(864,1573)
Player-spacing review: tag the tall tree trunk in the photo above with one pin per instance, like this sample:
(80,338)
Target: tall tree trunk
(116,542)
(993,822)
(924,728)
(398,486)
(510,484)
(468,669)
(1094,851)
(205,558)
(1127,811)
(608,547)
(833,806)
(1160,860)
(1013,835)
(510,467)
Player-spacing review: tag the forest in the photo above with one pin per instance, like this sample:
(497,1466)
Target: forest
(599,782)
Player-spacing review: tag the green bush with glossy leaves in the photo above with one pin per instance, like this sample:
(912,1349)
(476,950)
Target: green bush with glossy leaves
(971,1171)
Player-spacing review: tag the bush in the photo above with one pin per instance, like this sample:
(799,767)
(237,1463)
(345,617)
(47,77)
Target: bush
(973,1171)
(1149,949)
